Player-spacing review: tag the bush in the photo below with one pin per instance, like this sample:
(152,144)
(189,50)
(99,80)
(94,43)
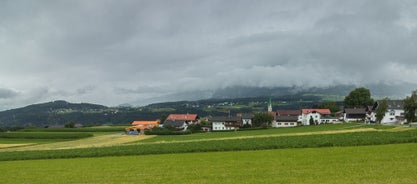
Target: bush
(45,135)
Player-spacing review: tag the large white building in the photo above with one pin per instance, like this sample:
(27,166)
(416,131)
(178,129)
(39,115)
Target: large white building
(394,114)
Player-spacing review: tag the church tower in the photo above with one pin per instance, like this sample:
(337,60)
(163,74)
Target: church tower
(270,105)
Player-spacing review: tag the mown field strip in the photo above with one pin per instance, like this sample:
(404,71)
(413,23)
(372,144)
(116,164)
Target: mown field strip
(13,145)
(96,141)
(394,163)
(271,135)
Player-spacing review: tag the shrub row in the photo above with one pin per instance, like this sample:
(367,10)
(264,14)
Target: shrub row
(89,129)
(45,135)
(310,141)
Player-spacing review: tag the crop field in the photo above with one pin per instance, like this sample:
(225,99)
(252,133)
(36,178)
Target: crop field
(341,153)
(56,138)
(304,130)
(395,163)
(236,144)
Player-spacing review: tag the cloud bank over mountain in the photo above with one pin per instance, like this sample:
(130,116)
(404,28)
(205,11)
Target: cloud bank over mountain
(114,52)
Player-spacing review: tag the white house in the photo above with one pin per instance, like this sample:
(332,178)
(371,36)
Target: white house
(286,118)
(246,119)
(319,116)
(285,121)
(225,123)
(394,114)
(355,114)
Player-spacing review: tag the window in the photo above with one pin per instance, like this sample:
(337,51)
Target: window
(279,123)
(286,123)
(392,113)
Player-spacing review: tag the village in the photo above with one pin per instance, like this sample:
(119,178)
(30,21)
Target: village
(281,118)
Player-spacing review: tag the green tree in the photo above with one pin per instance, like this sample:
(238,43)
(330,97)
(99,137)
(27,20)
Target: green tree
(69,124)
(410,106)
(359,97)
(162,118)
(312,121)
(329,105)
(381,110)
(262,118)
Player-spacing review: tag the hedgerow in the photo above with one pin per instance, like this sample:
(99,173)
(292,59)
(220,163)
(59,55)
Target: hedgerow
(45,135)
(88,129)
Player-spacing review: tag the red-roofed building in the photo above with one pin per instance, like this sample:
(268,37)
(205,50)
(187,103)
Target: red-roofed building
(183,117)
(181,121)
(321,111)
(138,127)
(318,116)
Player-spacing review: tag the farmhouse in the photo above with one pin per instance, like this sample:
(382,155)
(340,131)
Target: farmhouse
(181,121)
(246,119)
(285,121)
(394,114)
(316,116)
(356,114)
(138,127)
(286,118)
(222,123)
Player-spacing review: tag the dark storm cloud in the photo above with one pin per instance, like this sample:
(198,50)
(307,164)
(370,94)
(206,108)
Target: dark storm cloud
(112,52)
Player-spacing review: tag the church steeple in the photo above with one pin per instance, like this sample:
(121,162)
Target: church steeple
(270,105)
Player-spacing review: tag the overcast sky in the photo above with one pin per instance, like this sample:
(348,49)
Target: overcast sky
(122,51)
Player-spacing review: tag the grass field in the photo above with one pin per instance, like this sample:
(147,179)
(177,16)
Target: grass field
(321,139)
(303,130)
(395,163)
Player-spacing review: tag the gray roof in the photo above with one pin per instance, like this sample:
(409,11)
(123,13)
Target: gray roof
(286,118)
(395,104)
(392,104)
(225,119)
(174,123)
(247,116)
(355,111)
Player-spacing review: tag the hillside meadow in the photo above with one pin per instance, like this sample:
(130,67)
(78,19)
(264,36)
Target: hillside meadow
(395,163)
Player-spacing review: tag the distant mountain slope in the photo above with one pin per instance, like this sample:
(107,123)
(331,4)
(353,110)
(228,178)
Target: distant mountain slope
(377,90)
(46,113)
(226,101)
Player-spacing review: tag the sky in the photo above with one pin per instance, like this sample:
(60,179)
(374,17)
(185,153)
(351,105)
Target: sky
(112,52)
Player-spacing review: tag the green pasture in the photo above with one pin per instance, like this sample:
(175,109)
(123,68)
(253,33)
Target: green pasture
(395,163)
(236,144)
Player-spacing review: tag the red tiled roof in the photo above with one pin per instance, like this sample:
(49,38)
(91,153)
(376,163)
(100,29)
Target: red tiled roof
(321,111)
(184,117)
(145,123)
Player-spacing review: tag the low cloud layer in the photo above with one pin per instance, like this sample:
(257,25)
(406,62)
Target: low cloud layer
(115,52)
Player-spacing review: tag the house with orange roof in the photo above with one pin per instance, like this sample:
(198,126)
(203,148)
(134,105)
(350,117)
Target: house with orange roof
(138,127)
(181,121)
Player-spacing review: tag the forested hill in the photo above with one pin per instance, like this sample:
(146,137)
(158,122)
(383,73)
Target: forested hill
(57,113)
(51,113)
